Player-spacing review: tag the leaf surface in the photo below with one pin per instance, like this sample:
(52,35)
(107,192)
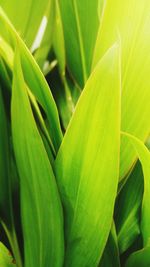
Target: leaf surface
(131,20)
(6,260)
(33,77)
(81,164)
(40,204)
(128,208)
(80,34)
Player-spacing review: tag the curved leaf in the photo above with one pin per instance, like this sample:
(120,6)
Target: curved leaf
(128,209)
(131,19)
(30,16)
(144,157)
(33,77)
(40,204)
(81,164)
(6,260)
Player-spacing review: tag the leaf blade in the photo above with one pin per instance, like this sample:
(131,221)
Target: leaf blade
(74,163)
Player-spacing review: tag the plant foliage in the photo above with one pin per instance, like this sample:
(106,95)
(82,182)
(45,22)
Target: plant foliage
(74,133)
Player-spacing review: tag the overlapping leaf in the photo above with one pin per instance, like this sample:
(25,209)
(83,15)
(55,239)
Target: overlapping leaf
(33,77)
(30,18)
(40,205)
(110,256)
(131,20)
(6,259)
(139,258)
(87,186)
(128,209)
(80,23)
(142,258)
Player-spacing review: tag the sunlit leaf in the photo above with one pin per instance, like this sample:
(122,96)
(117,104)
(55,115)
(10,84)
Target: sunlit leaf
(6,259)
(131,20)
(80,23)
(30,18)
(40,205)
(33,77)
(81,164)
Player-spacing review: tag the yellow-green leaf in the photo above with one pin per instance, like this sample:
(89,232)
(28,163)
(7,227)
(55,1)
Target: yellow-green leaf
(130,18)
(41,211)
(87,185)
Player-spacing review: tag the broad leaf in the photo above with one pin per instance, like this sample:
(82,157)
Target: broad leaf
(131,20)
(87,186)
(40,204)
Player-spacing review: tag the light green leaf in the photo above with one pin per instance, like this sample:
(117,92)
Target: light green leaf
(6,259)
(131,19)
(87,186)
(33,77)
(26,16)
(80,23)
(40,204)
(43,45)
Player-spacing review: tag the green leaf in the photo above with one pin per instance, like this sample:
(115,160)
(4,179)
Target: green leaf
(6,260)
(64,92)
(144,157)
(128,209)
(40,204)
(140,258)
(41,47)
(131,19)
(4,164)
(80,34)
(87,186)
(30,16)
(110,256)
(33,77)
(58,41)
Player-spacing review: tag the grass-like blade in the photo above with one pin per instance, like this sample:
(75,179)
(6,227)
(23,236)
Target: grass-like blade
(34,79)
(26,24)
(144,157)
(80,37)
(110,256)
(128,209)
(40,204)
